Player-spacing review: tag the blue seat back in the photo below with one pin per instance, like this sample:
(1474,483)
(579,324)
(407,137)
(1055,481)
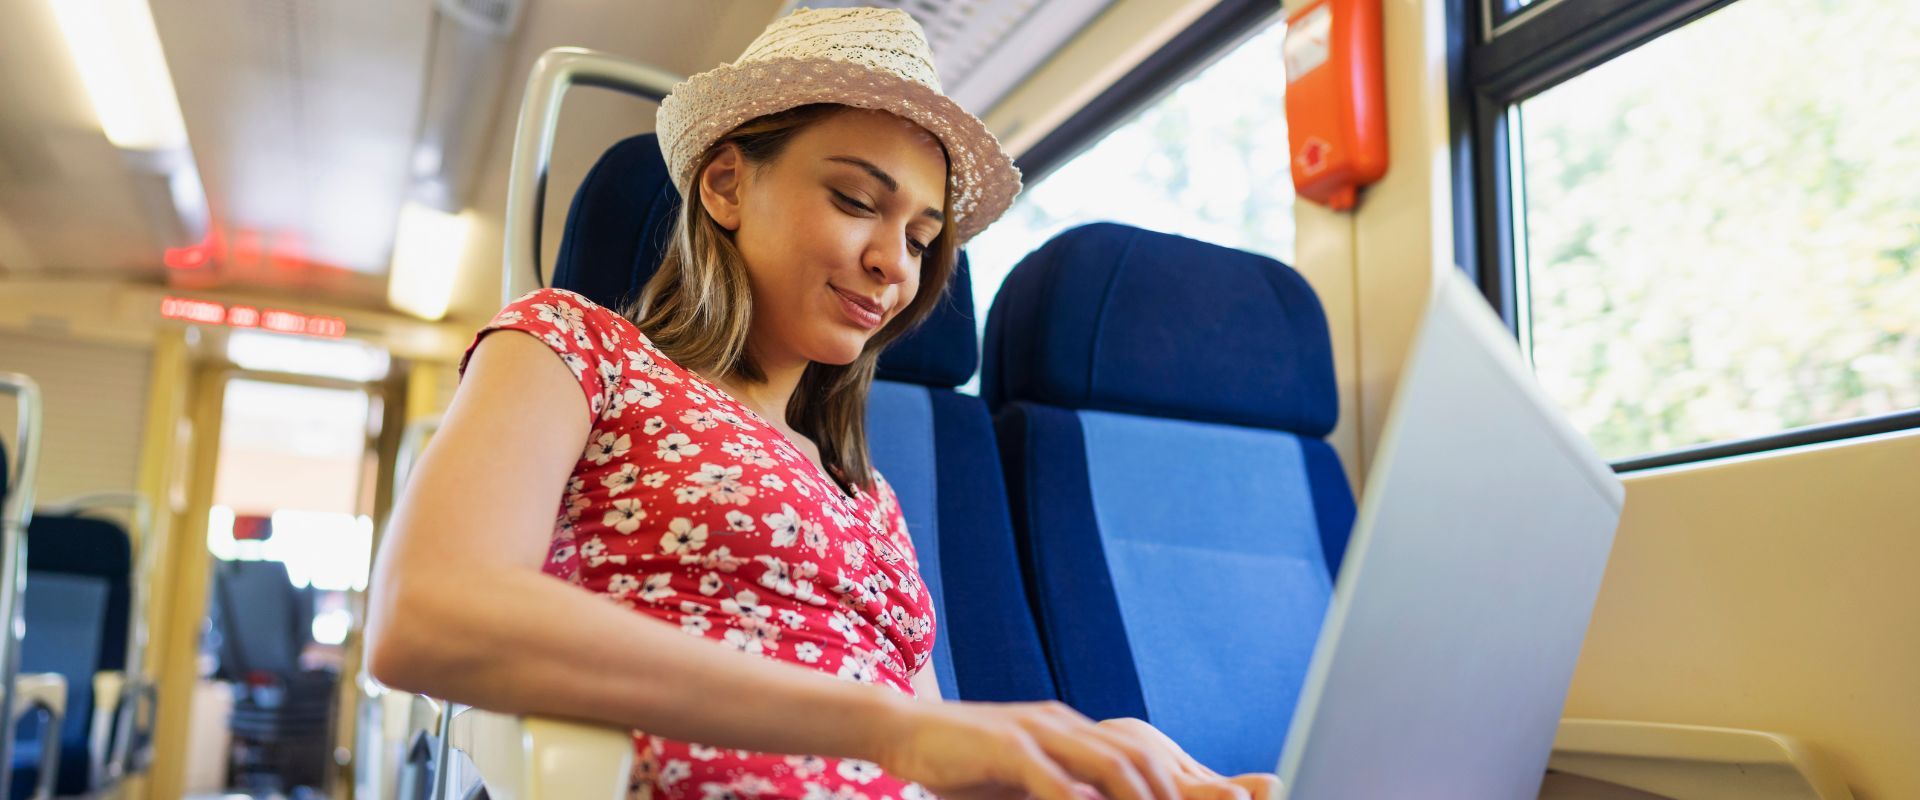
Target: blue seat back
(1162,405)
(77,611)
(935,445)
(264,620)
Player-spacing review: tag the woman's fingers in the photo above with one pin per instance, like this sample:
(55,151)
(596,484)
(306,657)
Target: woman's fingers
(1259,785)
(1075,743)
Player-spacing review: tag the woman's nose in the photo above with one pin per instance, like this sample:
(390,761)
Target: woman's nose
(890,263)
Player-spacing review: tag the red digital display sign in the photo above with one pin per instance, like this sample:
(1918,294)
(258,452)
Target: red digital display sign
(207,312)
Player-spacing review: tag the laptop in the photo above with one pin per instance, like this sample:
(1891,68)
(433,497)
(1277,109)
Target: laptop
(1451,636)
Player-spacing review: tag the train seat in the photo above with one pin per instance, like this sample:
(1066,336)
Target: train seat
(1162,405)
(935,445)
(78,617)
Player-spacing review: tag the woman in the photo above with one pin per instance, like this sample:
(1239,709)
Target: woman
(724,490)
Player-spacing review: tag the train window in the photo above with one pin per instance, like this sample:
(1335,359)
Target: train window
(1207,160)
(1716,236)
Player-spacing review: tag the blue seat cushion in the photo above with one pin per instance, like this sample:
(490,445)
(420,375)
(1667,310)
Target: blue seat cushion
(936,448)
(99,548)
(1116,318)
(1179,569)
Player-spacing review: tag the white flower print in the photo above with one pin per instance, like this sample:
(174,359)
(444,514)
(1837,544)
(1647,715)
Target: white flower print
(610,342)
(694,608)
(616,404)
(563,553)
(625,516)
(689,494)
(858,670)
(856,554)
(914,791)
(657,587)
(595,552)
(743,641)
(733,448)
(777,576)
(722,484)
(557,342)
(703,752)
(772,481)
(683,537)
(582,340)
(816,537)
(643,394)
(746,604)
(792,619)
(653,426)
(674,771)
(623,480)
(785,526)
(697,626)
(565,318)
(609,371)
(843,623)
(609,447)
(718,791)
(675,446)
(710,584)
(622,584)
(577,504)
(654,480)
(807,652)
(739,522)
(699,420)
(719,558)
(806,766)
(508,318)
(575,364)
(858,771)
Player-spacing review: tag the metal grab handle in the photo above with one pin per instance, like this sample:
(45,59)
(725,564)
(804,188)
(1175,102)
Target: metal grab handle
(15,514)
(555,72)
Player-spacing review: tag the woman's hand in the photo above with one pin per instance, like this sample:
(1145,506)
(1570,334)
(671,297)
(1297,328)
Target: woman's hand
(1195,779)
(1007,751)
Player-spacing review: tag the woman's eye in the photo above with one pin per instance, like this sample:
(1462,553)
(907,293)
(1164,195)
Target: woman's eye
(917,248)
(852,202)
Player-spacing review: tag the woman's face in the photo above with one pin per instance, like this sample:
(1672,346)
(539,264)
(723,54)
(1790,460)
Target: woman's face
(832,231)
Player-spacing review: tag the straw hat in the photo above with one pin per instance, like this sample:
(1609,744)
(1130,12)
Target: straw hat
(864,57)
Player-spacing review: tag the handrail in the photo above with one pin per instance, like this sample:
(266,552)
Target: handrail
(555,72)
(15,514)
(115,765)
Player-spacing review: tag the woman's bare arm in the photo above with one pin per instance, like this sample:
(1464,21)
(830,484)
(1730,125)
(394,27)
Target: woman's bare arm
(461,611)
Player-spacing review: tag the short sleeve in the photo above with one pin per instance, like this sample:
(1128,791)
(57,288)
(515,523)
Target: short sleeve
(585,336)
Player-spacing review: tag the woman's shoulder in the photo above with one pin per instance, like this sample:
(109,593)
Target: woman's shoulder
(601,347)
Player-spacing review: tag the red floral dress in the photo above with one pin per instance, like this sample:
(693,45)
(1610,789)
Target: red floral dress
(690,508)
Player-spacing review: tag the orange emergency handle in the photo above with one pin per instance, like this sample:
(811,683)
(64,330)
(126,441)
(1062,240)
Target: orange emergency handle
(1336,100)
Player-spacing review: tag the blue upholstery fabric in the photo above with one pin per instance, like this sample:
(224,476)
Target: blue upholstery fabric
(621,224)
(1227,594)
(1115,318)
(65,617)
(1161,404)
(900,437)
(97,553)
(996,645)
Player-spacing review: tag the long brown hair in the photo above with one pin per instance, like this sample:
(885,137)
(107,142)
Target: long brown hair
(698,309)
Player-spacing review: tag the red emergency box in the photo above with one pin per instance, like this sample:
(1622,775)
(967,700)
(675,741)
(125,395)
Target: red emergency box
(1336,99)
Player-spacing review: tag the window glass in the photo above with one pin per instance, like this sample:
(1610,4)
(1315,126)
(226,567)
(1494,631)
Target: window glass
(1208,161)
(1722,227)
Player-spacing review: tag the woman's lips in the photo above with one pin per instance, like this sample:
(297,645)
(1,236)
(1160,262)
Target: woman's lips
(861,311)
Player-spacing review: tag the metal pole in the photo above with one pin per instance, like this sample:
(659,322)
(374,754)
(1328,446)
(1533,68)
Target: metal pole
(15,515)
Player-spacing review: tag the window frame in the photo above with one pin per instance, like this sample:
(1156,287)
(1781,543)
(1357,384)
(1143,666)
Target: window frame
(1216,32)
(1498,58)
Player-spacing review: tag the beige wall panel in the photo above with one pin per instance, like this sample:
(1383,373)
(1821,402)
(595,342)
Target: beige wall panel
(1404,225)
(1774,593)
(1324,255)
(95,403)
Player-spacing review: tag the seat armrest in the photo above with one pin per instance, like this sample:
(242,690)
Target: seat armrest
(43,692)
(109,702)
(1694,762)
(543,758)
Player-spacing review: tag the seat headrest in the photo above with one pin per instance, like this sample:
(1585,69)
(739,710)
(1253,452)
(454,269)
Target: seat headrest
(621,223)
(1114,318)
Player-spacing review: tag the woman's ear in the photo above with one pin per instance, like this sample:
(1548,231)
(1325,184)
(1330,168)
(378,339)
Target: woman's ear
(720,186)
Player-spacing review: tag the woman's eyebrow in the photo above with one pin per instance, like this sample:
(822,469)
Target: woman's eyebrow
(885,180)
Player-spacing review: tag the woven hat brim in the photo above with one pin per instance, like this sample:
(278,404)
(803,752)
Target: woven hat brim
(983,177)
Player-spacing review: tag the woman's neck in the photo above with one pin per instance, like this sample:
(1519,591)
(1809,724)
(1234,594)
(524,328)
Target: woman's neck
(770,397)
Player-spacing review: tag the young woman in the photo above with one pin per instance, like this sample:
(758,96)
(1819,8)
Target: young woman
(707,459)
